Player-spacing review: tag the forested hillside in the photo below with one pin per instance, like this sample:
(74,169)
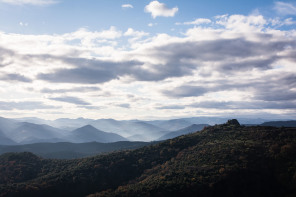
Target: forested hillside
(221,160)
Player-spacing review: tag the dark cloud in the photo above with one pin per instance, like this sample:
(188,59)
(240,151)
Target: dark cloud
(244,105)
(26,105)
(97,71)
(79,75)
(203,87)
(178,61)
(91,107)
(171,107)
(276,94)
(76,89)
(186,91)
(4,53)
(275,87)
(89,71)
(220,49)
(124,105)
(279,87)
(247,65)
(235,105)
(15,77)
(216,50)
(70,99)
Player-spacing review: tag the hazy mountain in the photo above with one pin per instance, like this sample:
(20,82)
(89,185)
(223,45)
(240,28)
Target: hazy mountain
(29,133)
(130,129)
(222,160)
(26,132)
(184,131)
(89,133)
(110,125)
(66,150)
(291,123)
(148,131)
(144,131)
(4,140)
(7,124)
(34,120)
(171,125)
(70,124)
(136,137)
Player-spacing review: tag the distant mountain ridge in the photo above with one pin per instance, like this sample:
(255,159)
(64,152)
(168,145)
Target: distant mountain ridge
(89,133)
(26,133)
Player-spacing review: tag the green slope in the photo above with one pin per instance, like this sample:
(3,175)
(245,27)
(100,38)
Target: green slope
(222,160)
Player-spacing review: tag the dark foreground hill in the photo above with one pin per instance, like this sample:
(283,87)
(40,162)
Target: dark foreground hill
(223,160)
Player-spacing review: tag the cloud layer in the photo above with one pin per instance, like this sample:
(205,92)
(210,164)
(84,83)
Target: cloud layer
(222,65)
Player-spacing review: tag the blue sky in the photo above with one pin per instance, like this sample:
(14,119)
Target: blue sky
(67,16)
(147,59)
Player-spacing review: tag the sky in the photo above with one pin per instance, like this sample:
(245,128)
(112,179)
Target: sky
(131,59)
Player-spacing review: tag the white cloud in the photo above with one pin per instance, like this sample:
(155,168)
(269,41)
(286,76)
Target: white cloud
(81,42)
(284,8)
(160,9)
(241,23)
(133,33)
(289,21)
(136,35)
(127,6)
(198,21)
(111,33)
(29,2)
(278,22)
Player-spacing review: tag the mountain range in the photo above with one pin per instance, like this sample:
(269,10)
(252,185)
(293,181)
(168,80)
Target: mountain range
(222,160)
(80,130)
(89,134)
